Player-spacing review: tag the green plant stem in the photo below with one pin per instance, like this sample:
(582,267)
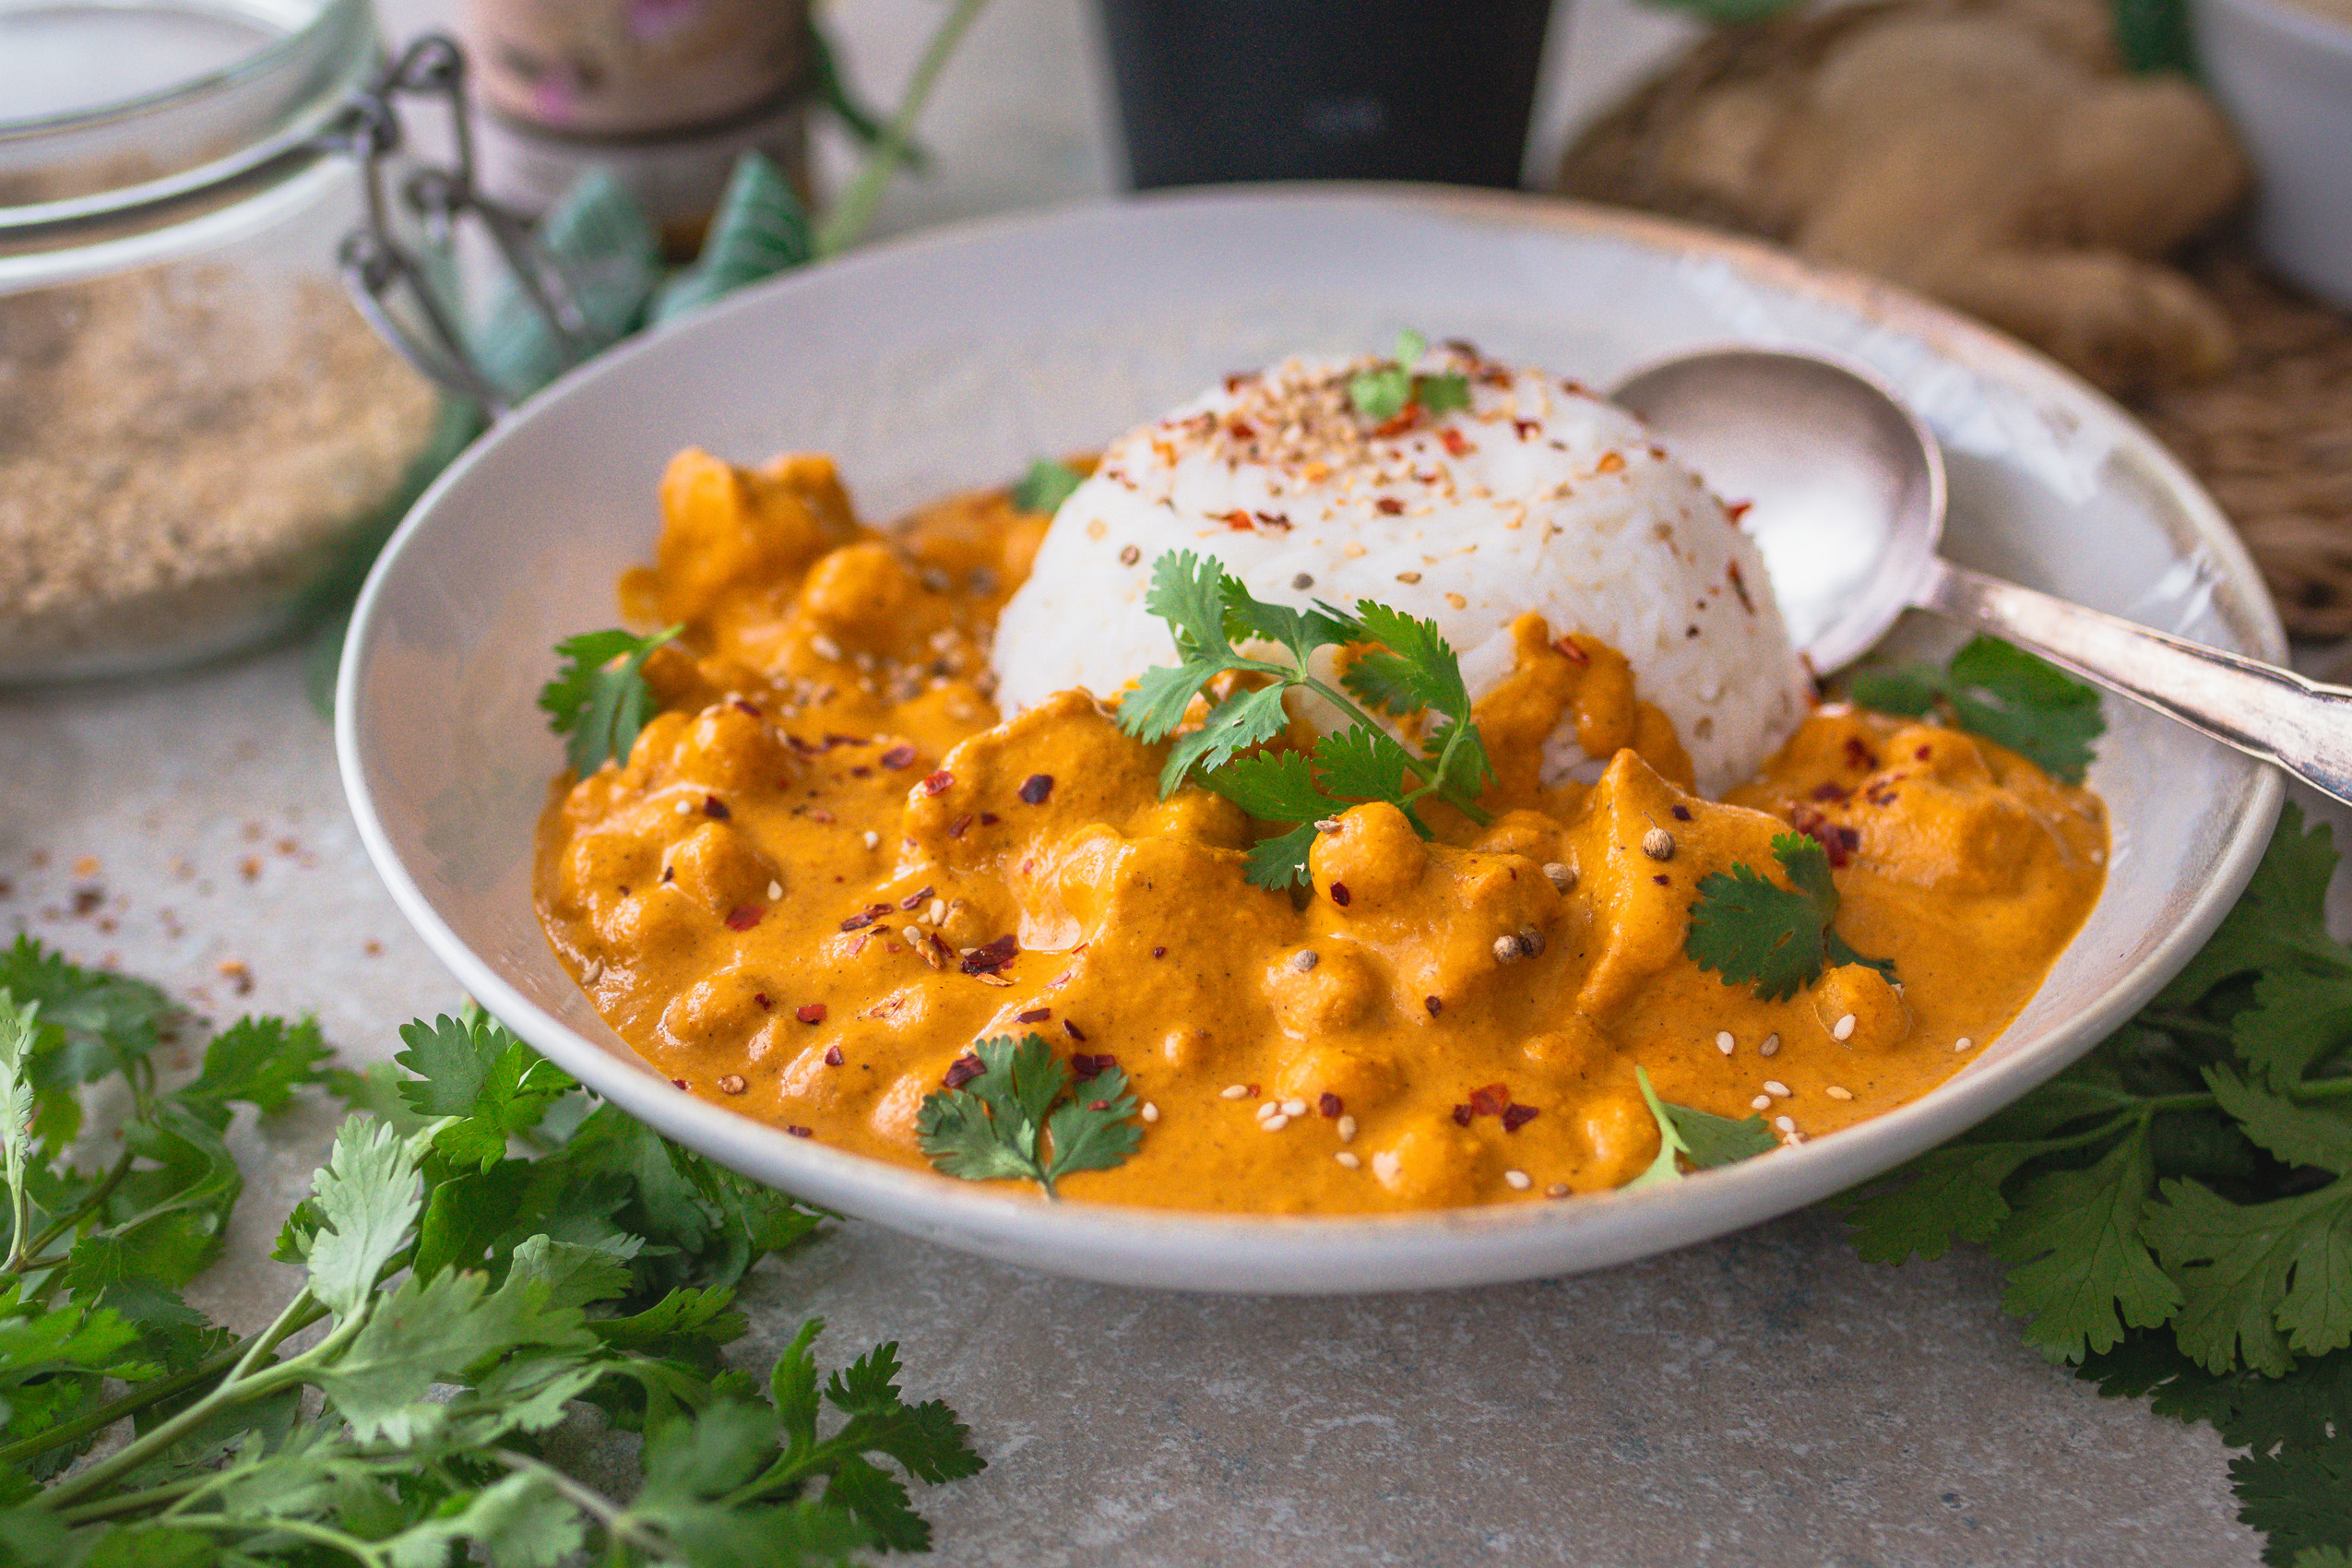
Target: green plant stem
(350,1546)
(855,210)
(131,1502)
(81,1211)
(1347,705)
(2200,1099)
(618,1527)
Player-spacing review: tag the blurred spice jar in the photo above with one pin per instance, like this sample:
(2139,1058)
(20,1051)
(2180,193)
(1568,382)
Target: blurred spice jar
(199,433)
(664,94)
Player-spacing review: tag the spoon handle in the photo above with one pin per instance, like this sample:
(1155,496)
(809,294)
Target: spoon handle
(2275,714)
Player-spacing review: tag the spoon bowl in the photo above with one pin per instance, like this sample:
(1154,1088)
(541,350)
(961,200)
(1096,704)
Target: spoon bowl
(1842,486)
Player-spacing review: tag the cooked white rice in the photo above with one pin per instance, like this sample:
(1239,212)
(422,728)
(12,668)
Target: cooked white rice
(1540,496)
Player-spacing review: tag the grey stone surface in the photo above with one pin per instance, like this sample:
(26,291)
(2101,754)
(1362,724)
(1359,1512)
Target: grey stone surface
(1763,1399)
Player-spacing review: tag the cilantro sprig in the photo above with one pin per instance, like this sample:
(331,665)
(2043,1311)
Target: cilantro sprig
(1389,388)
(2176,1210)
(600,698)
(2002,692)
(486,1249)
(1412,670)
(1755,932)
(1020,1118)
(1046,486)
(1701,1137)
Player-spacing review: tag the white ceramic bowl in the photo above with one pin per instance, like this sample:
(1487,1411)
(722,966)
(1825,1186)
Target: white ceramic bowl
(950,360)
(2283,71)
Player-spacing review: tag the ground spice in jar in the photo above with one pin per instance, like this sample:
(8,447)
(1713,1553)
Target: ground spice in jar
(184,451)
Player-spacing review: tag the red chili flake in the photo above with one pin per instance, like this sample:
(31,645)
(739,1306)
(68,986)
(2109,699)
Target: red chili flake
(989,959)
(1253,1091)
(1735,510)
(1682,814)
(1036,787)
(990,819)
(1239,379)
(1740,587)
(1074,1031)
(1860,758)
(1034,1016)
(801,1132)
(1388,506)
(1240,432)
(1461,1116)
(1689,631)
(1492,1099)
(746,707)
(861,772)
(1278,521)
(743,917)
(898,756)
(1610,463)
(1083,1067)
(1239,521)
(680,1082)
(1832,792)
(1887,799)
(1517,1116)
(956,828)
(919,898)
(1405,418)
(811,1014)
(818,813)
(1925,754)
(1098,1105)
(669,873)
(832,741)
(1662,880)
(1843,841)
(1525,428)
(761,998)
(1571,652)
(806,748)
(1434,1005)
(963,1070)
(858,922)
(1160,952)
(938,783)
(1339,894)
(1455,442)
(1329,1105)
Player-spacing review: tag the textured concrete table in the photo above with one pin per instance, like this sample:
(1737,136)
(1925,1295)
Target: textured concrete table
(1765,1399)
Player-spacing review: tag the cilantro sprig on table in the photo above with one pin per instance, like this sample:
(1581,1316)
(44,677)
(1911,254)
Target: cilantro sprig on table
(600,698)
(1412,670)
(1755,932)
(1019,1117)
(2001,692)
(464,1299)
(1388,389)
(2175,1209)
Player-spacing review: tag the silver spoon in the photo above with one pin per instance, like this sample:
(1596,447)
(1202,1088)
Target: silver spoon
(1845,489)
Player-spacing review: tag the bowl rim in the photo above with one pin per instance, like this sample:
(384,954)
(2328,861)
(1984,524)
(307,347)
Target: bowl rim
(1319,1254)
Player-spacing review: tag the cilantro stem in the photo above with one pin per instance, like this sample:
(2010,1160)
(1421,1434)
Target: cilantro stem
(855,210)
(619,1526)
(1435,770)
(2199,1099)
(350,1546)
(81,1211)
(131,1502)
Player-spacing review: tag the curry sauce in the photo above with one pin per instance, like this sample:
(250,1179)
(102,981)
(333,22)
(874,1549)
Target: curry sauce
(829,865)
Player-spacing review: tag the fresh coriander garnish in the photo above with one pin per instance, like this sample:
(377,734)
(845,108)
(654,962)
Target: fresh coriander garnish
(600,698)
(1019,1117)
(2002,692)
(1389,388)
(1699,1137)
(1413,671)
(1046,486)
(2175,1210)
(465,1299)
(1753,931)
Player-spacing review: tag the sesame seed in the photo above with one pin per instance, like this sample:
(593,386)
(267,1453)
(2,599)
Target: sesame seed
(775,891)
(1269,1109)
(937,912)
(730,1082)
(1724,1042)
(1294,1107)
(1794,1138)
(1844,1029)
(1835,1092)
(826,647)
(1776,1088)
(873,840)
(1771,1046)
(1347,1129)
(1786,1124)
(1556,1190)
(1659,844)
(1762,1102)
(1235,1091)
(1963,1043)
(593,973)
(1519,1180)
(1275,1122)
(1348,1161)
(1561,874)
(1151,1111)
(685,807)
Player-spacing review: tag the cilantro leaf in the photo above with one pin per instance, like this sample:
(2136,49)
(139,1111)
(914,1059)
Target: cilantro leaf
(2083,1271)
(1703,1139)
(2297,1498)
(1001,1123)
(1999,690)
(2278,923)
(474,1070)
(2262,1279)
(1046,486)
(1753,931)
(1388,389)
(599,698)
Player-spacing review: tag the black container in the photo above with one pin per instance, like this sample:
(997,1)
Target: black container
(1212,91)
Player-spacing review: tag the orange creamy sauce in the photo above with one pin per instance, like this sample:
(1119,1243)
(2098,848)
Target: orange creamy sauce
(828,868)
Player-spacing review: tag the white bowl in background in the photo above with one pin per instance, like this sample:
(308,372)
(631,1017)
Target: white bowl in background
(949,361)
(2283,73)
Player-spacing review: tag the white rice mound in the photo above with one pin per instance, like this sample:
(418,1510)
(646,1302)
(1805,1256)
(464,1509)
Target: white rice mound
(1538,496)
